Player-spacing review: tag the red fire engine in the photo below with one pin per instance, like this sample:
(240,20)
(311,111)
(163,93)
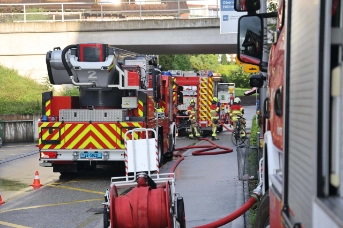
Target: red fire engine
(198,86)
(80,131)
(301,168)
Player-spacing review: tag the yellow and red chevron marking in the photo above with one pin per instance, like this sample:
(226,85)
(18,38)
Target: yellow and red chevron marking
(48,108)
(85,135)
(163,105)
(140,108)
(124,127)
(174,89)
(49,131)
(210,96)
(203,97)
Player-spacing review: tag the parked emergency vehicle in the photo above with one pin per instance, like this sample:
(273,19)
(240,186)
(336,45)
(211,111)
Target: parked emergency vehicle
(226,96)
(185,89)
(198,86)
(301,171)
(85,130)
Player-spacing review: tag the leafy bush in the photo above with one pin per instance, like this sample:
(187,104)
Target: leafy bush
(234,73)
(70,91)
(18,94)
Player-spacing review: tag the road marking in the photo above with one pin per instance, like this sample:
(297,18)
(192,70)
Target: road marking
(76,189)
(12,225)
(17,146)
(50,205)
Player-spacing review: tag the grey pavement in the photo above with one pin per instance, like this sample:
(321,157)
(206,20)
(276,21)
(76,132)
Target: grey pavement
(19,162)
(13,151)
(209,184)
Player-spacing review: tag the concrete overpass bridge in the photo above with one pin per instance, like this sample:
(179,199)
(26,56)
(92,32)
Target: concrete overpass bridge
(24,45)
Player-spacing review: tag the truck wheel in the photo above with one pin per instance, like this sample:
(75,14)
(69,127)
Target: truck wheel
(106,218)
(160,151)
(181,217)
(64,174)
(181,132)
(262,217)
(171,146)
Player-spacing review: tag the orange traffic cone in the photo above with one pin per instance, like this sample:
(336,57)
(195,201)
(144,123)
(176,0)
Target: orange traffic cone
(1,202)
(36,182)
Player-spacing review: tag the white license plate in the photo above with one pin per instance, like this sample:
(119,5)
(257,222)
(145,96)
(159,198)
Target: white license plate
(91,155)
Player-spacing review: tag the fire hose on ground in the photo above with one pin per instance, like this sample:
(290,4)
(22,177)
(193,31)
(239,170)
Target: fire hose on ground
(205,150)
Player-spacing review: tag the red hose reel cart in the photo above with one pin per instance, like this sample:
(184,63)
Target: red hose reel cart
(152,201)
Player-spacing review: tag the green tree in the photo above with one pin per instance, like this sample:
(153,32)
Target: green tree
(166,61)
(224,60)
(234,73)
(240,78)
(182,62)
(204,62)
(271,23)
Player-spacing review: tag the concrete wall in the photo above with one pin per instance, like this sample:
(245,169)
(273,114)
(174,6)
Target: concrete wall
(19,128)
(24,45)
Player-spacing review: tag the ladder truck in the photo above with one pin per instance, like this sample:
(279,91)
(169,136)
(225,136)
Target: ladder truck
(77,132)
(301,169)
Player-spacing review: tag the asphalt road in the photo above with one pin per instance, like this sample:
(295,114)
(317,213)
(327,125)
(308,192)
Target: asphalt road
(209,185)
(73,201)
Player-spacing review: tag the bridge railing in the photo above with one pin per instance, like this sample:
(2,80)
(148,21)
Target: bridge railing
(109,11)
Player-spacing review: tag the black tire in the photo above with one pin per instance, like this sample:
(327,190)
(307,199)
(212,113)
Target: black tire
(238,140)
(181,132)
(171,147)
(160,151)
(262,217)
(181,215)
(233,138)
(220,128)
(243,139)
(66,174)
(106,218)
(174,139)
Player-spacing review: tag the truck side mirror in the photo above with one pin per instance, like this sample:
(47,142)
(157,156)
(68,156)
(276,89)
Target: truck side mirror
(250,39)
(256,80)
(247,5)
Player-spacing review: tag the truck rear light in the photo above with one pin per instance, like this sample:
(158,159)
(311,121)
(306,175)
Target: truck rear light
(203,123)
(48,154)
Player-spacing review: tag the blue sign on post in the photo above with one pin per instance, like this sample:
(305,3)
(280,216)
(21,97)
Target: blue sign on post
(229,17)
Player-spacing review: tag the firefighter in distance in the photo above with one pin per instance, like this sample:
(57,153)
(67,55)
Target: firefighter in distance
(192,112)
(237,110)
(214,110)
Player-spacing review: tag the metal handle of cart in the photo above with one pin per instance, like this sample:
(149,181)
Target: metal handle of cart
(141,155)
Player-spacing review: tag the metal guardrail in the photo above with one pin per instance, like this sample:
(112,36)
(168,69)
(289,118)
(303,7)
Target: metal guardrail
(104,11)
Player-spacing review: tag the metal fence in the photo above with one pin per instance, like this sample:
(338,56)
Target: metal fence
(105,11)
